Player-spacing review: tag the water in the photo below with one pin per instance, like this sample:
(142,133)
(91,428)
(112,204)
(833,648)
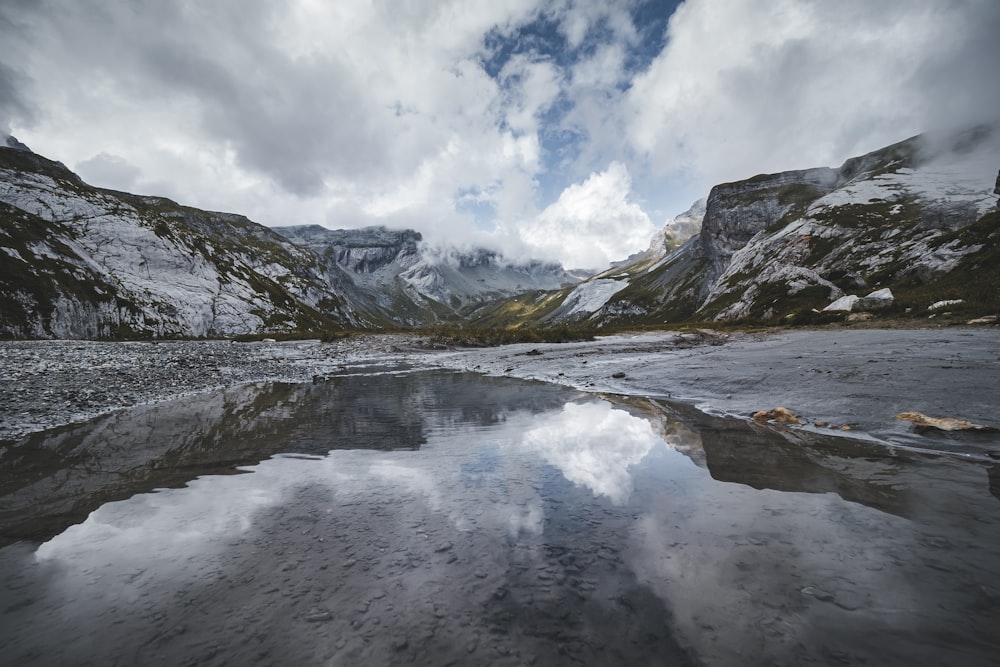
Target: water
(444,518)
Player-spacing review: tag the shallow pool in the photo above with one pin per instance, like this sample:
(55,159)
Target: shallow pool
(419,517)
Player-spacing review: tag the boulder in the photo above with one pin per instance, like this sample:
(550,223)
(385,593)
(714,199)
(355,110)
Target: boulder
(877,300)
(844,304)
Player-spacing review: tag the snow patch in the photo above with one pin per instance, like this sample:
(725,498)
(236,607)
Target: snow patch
(591,296)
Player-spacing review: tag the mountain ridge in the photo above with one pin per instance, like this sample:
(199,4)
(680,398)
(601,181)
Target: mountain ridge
(917,217)
(82,261)
(908,227)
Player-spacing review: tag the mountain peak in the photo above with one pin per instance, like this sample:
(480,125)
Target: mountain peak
(10,141)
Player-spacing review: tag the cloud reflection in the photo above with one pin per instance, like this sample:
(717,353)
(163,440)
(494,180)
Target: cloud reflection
(593,445)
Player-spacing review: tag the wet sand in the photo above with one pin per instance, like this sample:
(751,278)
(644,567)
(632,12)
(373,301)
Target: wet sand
(859,378)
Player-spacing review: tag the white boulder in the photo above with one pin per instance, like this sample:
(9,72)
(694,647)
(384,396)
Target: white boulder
(877,300)
(844,304)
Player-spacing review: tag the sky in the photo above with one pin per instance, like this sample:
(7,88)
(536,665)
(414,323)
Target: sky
(566,130)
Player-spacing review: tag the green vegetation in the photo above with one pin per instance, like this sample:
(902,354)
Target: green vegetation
(976,279)
(526,309)
(491,337)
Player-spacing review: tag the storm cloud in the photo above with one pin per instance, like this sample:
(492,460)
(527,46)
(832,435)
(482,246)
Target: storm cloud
(568,129)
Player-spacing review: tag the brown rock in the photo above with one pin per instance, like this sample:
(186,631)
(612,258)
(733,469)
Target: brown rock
(780,415)
(921,422)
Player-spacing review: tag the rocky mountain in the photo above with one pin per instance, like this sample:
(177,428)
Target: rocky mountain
(396,278)
(911,229)
(84,262)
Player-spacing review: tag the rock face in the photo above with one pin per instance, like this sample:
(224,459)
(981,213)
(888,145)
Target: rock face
(679,229)
(877,300)
(918,217)
(394,277)
(82,262)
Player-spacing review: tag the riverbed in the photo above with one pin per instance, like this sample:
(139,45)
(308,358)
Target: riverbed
(391,504)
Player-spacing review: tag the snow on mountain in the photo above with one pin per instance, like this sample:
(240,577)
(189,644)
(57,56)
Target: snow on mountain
(80,261)
(591,295)
(919,216)
(404,278)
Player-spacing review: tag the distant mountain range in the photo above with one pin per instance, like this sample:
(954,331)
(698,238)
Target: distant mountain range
(915,225)
(83,262)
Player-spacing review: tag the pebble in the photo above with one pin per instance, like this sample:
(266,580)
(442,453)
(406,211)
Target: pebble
(318,615)
(49,383)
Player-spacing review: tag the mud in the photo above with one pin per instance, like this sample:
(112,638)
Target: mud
(855,378)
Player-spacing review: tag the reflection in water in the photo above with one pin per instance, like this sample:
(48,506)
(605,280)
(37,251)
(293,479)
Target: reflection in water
(593,445)
(54,478)
(444,518)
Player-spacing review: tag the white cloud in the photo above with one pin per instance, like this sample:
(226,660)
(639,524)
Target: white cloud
(355,113)
(594,446)
(592,223)
(744,87)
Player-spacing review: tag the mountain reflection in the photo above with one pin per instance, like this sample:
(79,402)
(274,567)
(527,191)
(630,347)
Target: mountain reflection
(440,518)
(52,479)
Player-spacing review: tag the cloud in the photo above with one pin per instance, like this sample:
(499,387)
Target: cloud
(13,105)
(111,170)
(594,446)
(743,87)
(592,223)
(506,121)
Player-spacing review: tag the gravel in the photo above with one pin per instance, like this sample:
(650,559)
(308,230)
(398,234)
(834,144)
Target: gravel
(856,378)
(49,383)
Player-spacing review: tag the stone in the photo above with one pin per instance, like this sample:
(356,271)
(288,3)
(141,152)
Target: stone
(843,304)
(819,594)
(318,615)
(921,421)
(779,414)
(944,304)
(877,300)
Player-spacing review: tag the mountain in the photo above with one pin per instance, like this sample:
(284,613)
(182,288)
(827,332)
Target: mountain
(84,262)
(912,229)
(914,226)
(396,278)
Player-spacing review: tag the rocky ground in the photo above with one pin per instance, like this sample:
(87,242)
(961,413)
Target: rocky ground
(842,377)
(48,383)
(830,378)
(737,539)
